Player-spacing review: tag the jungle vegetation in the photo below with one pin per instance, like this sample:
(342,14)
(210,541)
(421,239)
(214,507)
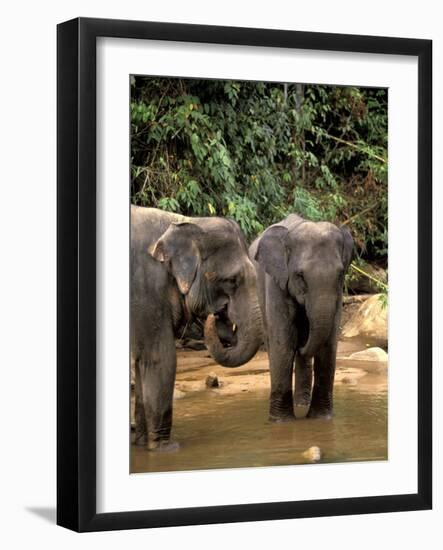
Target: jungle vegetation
(257,151)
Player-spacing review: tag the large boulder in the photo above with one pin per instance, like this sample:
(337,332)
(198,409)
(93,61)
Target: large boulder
(369,322)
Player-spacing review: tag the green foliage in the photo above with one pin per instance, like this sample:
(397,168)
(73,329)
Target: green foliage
(258,151)
(384,299)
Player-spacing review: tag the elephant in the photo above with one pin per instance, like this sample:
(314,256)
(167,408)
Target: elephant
(183,269)
(300,275)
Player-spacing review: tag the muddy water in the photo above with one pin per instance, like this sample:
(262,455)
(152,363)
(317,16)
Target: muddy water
(228,427)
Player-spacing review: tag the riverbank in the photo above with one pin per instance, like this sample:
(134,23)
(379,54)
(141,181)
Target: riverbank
(194,367)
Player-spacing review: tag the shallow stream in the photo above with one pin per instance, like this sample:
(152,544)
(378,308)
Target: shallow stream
(222,429)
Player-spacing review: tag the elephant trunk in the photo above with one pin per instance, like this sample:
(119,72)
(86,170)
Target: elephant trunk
(321,316)
(249,335)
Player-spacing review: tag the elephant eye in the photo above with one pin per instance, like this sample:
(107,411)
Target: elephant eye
(229,283)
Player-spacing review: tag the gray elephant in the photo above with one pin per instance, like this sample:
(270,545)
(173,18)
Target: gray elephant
(301,267)
(184,268)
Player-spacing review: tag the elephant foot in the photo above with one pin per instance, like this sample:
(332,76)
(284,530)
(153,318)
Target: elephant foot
(325,414)
(281,407)
(281,419)
(139,439)
(163,446)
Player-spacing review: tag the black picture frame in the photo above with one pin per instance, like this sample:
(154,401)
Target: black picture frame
(76,274)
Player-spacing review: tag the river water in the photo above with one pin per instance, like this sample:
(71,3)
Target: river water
(217,428)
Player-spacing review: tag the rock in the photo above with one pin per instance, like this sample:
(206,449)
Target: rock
(313,454)
(178,394)
(349,375)
(212,381)
(351,380)
(370,354)
(360,284)
(370,321)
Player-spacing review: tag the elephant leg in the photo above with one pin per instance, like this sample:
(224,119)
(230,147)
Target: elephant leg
(157,373)
(324,372)
(141,431)
(281,351)
(303,381)
(281,366)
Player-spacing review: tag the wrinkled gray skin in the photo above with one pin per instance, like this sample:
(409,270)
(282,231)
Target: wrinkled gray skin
(301,267)
(182,268)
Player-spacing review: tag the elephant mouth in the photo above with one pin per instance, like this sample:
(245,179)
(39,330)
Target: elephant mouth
(229,346)
(226,329)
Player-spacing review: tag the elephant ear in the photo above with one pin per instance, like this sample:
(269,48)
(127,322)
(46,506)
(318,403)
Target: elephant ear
(179,248)
(272,254)
(348,246)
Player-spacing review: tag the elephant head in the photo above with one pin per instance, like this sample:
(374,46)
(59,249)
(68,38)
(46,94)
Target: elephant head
(308,261)
(209,261)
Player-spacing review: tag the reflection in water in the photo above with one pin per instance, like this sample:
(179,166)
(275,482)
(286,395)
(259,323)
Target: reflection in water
(228,431)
